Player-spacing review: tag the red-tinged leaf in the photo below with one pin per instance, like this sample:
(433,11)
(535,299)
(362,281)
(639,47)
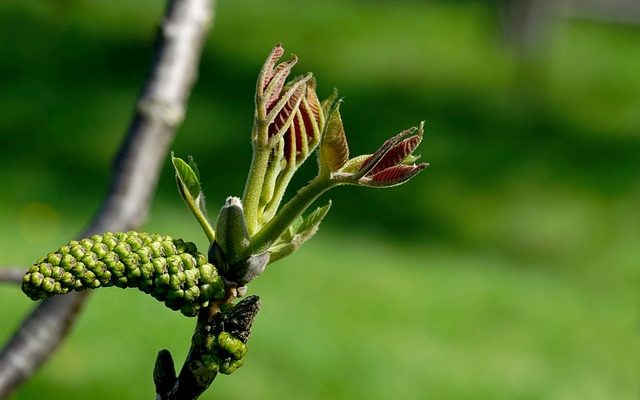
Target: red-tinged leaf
(393,175)
(286,108)
(266,73)
(302,145)
(273,88)
(308,121)
(334,149)
(313,104)
(291,141)
(277,125)
(397,153)
(375,158)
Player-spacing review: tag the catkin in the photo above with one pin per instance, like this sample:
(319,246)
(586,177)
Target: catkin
(170,270)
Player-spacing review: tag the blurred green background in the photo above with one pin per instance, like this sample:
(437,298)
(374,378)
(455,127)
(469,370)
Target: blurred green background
(507,270)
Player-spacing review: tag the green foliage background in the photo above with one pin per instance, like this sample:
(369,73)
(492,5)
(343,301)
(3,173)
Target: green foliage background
(508,270)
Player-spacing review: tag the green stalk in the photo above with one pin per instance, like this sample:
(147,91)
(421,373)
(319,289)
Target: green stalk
(203,221)
(296,206)
(253,187)
(280,189)
(196,211)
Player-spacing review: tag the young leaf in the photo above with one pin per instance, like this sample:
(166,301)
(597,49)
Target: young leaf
(393,176)
(188,180)
(334,150)
(311,224)
(299,232)
(186,176)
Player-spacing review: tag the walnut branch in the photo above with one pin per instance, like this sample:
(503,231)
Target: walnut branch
(11,274)
(159,111)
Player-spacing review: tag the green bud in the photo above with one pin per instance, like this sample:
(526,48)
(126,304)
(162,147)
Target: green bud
(145,254)
(169,248)
(147,270)
(56,273)
(188,261)
(164,279)
(191,277)
(67,279)
(232,345)
(110,241)
(45,269)
(191,294)
(134,242)
(48,284)
(156,249)
(88,277)
(171,270)
(160,265)
(229,367)
(36,279)
(122,249)
(231,230)
(190,309)
(86,243)
(175,282)
(90,260)
(77,251)
(54,258)
(120,281)
(208,272)
(100,250)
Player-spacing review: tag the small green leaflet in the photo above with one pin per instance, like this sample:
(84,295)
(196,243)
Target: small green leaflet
(187,175)
(299,232)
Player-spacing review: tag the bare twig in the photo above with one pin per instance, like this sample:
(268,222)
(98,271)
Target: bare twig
(11,274)
(160,110)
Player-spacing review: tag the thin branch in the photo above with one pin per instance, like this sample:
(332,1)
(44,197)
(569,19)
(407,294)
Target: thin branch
(160,110)
(11,275)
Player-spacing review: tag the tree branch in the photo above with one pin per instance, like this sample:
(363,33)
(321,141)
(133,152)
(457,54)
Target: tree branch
(11,274)
(159,111)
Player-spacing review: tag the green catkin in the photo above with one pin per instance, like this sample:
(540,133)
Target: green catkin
(170,270)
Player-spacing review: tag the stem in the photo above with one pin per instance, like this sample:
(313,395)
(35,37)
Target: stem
(253,187)
(204,223)
(11,275)
(296,206)
(281,187)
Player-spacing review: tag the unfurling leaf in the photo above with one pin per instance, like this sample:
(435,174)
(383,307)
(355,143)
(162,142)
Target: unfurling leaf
(334,150)
(355,164)
(299,232)
(393,176)
(398,153)
(391,165)
(284,109)
(186,176)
